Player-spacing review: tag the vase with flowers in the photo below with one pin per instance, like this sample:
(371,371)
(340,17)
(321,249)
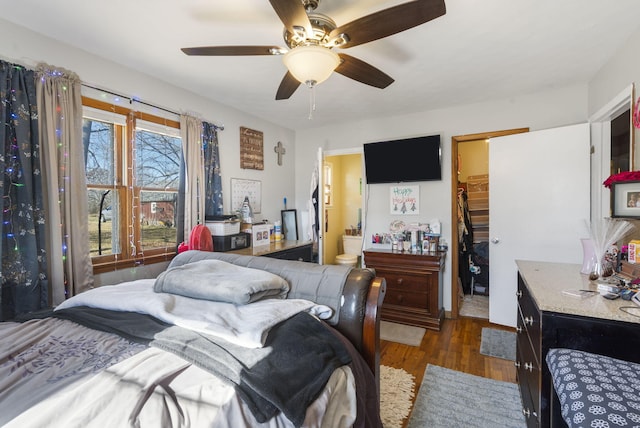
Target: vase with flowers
(604,234)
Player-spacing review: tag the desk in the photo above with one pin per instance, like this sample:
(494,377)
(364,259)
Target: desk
(286,250)
(548,318)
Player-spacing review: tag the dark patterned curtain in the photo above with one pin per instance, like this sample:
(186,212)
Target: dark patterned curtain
(24,284)
(213,181)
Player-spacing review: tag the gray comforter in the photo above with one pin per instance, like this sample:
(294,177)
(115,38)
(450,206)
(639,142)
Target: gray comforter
(221,282)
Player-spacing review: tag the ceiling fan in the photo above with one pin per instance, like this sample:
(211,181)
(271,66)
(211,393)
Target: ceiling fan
(310,38)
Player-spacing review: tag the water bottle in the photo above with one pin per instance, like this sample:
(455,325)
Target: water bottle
(246,212)
(277,226)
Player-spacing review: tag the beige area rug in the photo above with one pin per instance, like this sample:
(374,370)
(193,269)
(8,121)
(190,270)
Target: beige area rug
(397,389)
(476,306)
(401,333)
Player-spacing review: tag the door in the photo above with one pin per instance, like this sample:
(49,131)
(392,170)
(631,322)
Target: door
(539,197)
(320,217)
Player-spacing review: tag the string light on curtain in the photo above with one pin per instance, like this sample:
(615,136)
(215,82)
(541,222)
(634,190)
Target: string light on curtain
(12,171)
(135,199)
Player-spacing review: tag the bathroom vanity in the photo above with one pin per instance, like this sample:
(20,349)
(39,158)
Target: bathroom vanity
(414,286)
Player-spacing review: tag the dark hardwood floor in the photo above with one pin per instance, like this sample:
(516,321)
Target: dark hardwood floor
(456,346)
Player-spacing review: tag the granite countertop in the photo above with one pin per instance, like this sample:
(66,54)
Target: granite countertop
(547,280)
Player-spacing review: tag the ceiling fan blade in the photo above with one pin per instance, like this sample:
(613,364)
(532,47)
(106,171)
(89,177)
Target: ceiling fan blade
(389,21)
(234,50)
(287,87)
(293,15)
(363,72)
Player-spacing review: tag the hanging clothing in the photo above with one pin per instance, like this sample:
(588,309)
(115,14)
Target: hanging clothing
(465,228)
(465,241)
(312,205)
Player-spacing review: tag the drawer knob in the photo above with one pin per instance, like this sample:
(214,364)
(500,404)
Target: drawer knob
(528,320)
(517,364)
(528,366)
(399,281)
(526,413)
(519,293)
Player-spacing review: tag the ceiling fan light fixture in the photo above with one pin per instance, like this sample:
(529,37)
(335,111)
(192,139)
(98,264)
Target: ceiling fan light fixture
(312,64)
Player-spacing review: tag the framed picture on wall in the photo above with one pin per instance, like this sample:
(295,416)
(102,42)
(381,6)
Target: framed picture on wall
(625,199)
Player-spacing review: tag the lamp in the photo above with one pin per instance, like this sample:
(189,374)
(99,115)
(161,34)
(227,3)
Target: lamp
(311,64)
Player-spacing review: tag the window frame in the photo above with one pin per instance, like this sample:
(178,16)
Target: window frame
(123,177)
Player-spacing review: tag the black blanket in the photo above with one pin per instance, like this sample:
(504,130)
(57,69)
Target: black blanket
(286,375)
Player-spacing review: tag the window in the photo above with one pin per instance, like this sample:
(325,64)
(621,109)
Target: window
(132,188)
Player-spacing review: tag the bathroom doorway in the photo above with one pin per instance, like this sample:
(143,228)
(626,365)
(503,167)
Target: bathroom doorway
(342,201)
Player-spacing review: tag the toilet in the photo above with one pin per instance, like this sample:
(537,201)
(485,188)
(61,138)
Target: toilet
(352,245)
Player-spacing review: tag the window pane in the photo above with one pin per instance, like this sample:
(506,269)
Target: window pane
(103,222)
(158,219)
(157,160)
(98,141)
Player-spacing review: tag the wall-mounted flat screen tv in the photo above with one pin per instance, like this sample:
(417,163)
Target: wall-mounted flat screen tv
(409,159)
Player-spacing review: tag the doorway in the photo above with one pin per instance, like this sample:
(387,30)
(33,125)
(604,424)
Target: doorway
(342,209)
(473,202)
(476,146)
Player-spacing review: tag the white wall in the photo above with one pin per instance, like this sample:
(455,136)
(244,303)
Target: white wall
(557,107)
(620,71)
(27,48)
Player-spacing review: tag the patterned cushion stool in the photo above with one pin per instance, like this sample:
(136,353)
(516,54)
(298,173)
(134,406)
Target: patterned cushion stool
(594,390)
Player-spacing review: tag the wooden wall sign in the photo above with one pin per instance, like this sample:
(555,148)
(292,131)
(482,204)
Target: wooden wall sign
(251,150)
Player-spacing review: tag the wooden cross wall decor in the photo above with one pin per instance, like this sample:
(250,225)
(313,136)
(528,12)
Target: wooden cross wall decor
(280,150)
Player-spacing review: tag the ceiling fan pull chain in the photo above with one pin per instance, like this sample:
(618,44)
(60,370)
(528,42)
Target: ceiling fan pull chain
(312,100)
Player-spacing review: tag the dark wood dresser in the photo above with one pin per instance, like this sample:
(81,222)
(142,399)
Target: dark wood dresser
(414,286)
(548,318)
(286,250)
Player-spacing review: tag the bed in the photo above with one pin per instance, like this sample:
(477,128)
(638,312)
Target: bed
(216,340)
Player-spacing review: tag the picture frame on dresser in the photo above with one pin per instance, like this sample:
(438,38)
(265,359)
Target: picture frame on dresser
(289,224)
(625,199)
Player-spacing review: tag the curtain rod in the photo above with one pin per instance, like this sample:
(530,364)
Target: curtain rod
(220,127)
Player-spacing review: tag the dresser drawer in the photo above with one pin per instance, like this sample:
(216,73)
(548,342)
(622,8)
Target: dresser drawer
(407,298)
(529,318)
(528,380)
(405,282)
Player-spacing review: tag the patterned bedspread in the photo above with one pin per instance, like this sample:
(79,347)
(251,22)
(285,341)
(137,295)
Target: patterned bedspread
(40,357)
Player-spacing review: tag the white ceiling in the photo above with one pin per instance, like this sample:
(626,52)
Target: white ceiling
(479,50)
